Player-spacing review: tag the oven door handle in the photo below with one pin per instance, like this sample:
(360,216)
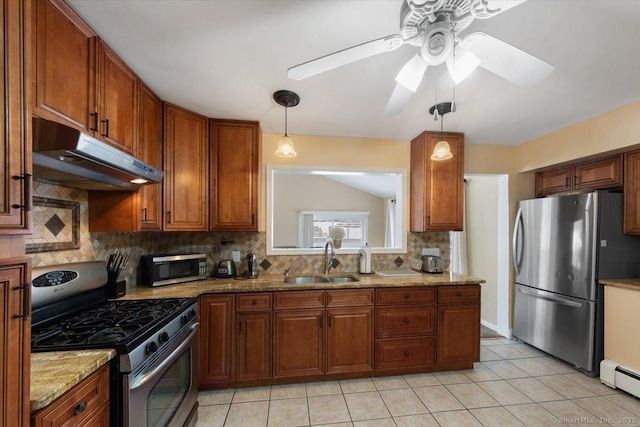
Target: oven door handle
(143,379)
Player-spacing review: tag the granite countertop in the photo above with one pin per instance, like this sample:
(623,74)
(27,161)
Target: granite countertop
(275,282)
(54,373)
(633,284)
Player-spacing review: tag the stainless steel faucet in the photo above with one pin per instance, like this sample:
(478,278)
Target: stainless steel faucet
(327,264)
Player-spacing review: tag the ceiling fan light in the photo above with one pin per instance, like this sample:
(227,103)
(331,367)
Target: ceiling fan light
(442,151)
(411,74)
(466,63)
(285,147)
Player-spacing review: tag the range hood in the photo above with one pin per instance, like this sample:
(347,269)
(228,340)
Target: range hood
(66,156)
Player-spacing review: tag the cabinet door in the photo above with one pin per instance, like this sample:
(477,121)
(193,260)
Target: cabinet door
(149,150)
(65,55)
(298,342)
(253,357)
(117,99)
(600,174)
(632,192)
(349,339)
(459,333)
(186,173)
(437,187)
(235,167)
(15,138)
(215,339)
(552,182)
(16,343)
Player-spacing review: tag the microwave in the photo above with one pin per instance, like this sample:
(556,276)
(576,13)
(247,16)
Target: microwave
(169,269)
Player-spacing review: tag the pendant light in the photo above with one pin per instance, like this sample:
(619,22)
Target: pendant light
(287,99)
(442,150)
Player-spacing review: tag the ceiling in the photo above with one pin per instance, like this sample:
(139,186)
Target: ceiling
(224,59)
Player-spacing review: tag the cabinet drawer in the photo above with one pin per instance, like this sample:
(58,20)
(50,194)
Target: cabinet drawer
(254,302)
(404,321)
(349,297)
(447,294)
(403,353)
(405,296)
(82,401)
(298,299)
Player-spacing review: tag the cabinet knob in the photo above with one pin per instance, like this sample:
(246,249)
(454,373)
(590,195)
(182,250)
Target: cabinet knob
(406,353)
(26,203)
(406,321)
(460,294)
(254,302)
(80,407)
(406,296)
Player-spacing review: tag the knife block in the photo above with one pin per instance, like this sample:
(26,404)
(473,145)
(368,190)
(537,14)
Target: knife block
(116,289)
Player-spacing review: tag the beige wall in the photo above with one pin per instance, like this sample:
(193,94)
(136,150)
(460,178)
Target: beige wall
(614,130)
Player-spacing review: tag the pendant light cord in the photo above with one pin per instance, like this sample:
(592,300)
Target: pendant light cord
(285,121)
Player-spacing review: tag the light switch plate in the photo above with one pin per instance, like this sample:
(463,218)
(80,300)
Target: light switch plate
(235,255)
(431,251)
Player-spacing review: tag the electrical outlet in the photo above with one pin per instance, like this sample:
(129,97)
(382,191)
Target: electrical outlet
(235,255)
(431,251)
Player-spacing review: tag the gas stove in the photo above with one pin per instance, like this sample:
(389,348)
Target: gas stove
(154,339)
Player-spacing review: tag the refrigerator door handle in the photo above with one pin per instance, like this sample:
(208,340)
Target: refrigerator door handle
(517,258)
(552,298)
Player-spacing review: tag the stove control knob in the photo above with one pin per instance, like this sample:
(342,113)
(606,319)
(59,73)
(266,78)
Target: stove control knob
(192,313)
(184,320)
(163,338)
(151,348)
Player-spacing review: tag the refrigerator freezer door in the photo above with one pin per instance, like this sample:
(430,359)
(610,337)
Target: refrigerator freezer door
(554,242)
(559,325)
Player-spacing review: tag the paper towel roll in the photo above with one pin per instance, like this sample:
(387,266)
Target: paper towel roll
(364,256)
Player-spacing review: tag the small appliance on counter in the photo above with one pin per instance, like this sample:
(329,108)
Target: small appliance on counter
(226,269)
(432,264)
(169,269)
(252,266)
(364,260)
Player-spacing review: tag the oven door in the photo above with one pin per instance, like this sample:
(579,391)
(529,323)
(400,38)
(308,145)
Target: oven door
(166,392)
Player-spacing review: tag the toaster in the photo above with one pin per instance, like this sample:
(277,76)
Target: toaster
(432,264)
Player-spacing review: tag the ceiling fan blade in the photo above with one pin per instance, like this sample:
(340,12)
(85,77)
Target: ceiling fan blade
(344,57)
(506,60)
(485,9)
(399,99)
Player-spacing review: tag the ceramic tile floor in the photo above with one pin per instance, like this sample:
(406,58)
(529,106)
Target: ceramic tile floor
(512,385)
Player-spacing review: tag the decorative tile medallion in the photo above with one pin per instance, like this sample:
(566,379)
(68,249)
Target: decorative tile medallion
(56,225)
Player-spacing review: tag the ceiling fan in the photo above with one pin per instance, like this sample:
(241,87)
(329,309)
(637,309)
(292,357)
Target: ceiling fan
(434,25)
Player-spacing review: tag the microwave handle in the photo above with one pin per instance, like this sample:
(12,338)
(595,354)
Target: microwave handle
(142,380)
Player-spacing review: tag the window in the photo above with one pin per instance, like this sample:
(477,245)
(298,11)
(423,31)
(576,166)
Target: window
(314,228)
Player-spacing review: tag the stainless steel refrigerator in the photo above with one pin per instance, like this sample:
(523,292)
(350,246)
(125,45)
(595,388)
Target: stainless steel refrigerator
(561,247)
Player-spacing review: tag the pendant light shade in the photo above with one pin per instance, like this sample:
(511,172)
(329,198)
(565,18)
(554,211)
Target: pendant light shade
(287,99)
(442,150)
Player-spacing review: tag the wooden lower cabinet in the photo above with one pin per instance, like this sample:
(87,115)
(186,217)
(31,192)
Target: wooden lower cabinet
(292,336)
(216,340)
(86,404)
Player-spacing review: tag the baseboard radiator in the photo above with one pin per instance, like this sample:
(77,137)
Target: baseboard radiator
(617,376)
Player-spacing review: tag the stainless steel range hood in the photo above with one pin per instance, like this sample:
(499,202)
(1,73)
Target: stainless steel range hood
(66,156)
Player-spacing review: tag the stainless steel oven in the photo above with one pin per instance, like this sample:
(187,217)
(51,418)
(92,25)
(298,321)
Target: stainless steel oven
(163,391)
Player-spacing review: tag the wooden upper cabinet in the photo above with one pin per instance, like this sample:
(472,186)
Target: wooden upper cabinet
(15,137)
(117,99)
(592,175)
(64,61)
(15,328)
(186,170)
(437,187)
(149,150)
(632,192)
(235,171)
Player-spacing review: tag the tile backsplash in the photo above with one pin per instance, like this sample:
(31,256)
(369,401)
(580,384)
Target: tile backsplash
(217,245)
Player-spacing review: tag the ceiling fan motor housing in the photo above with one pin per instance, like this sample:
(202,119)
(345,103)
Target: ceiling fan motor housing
(438,43)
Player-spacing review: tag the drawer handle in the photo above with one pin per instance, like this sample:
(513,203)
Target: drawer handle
(406,321)
(254,302)
(80,407)
(406,296)
(406,353)
(460,294)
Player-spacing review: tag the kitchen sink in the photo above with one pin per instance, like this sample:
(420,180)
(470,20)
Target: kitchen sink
(300,280)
